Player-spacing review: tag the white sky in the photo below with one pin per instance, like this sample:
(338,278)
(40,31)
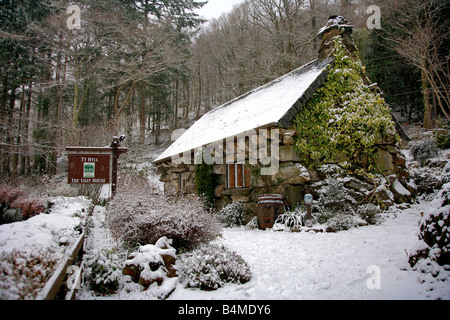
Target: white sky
(215,8)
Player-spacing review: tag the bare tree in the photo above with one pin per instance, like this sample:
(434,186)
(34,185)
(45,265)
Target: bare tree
(417,32)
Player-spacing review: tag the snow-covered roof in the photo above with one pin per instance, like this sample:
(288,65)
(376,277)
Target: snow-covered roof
(275,103)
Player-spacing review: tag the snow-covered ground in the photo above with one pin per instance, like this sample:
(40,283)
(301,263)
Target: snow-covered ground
(318,266)
(344,265)
(31,250)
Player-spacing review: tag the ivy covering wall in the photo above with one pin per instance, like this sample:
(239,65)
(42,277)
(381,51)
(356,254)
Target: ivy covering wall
(204,183)
(344,120)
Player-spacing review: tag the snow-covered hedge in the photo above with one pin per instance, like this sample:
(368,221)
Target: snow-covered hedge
(435,228)
(423,149)
(31,250)
(211,266)
(232,215)
(16,205)
(23,274)
(139,216)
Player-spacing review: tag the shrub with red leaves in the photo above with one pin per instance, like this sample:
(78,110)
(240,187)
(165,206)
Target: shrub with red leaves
(15,198)
(29,207)
(9,194)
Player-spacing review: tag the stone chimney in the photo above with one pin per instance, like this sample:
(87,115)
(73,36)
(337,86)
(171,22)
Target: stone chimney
(336,25)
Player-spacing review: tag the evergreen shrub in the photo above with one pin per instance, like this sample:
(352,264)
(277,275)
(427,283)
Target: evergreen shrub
(211,266)
(423,149)
(232,215)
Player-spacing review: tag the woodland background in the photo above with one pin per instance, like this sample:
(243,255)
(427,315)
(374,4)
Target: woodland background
(142,67)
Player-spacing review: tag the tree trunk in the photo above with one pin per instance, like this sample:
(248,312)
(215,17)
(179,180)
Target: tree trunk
(142,115)
(427,123)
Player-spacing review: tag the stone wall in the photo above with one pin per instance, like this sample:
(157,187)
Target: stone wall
(172,176)
(293,180)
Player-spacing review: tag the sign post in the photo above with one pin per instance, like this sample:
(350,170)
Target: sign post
(89,165)
(308,202)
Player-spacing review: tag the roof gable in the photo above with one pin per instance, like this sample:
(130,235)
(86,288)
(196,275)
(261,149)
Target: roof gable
(275,103)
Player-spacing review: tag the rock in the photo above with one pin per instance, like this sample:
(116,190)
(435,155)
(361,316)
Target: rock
(168,259)
(152,264)
(385,162)
(290,173)
(288,154)
(172,271)
(401,194)
(133,271)
(356,184)
(412,187)
(218,191)
(383,197)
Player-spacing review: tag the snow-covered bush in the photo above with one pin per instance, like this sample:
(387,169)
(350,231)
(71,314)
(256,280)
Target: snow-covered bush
(232,215)
(443,136)
(333,200)
(435,230)
(369,213)
(29,207)
(12,198)
(423,149)
(211,266)
(343,222)
(103,271)
(445,176)
(252,224)
(293,219)
(139,216)
(8,195)
(23,274)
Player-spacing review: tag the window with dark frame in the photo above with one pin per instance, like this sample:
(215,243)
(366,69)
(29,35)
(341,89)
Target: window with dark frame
(183,183)
(238,176)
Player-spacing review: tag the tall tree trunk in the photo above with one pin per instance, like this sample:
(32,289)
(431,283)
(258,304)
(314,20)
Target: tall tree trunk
(142,114)
(427,123)
(175,113)
(26,161)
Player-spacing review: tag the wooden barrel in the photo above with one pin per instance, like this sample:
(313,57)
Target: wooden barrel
(270,206)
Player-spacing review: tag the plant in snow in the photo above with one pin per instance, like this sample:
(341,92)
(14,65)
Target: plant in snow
(293,219)
(152,267)
(138,216)
(211,266)
(23,274)
(15,199)
(232,215)
(445,176)
(423,149)
(103,271)
(369,213)
(252,224)
(333,200)
(342,222)
(435,230)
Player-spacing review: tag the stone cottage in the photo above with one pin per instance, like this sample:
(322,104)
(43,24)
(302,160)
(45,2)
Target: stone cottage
(250,141)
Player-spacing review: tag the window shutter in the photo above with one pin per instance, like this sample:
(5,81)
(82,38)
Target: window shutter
(231,176)
(240,176)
